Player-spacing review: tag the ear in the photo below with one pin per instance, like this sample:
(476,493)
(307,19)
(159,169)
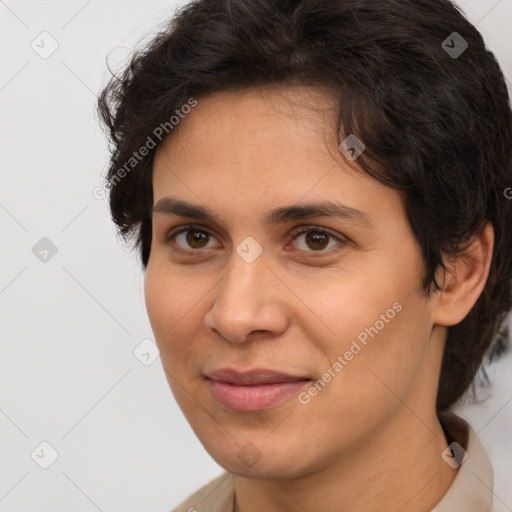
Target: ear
(465,280)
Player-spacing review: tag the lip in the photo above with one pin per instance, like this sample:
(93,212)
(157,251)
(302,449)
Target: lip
(253,390)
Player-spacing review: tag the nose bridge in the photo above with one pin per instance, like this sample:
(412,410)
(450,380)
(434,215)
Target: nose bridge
(244,288)
(248,266)
(244,300)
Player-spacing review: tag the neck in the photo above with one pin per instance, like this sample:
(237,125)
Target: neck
(400,468)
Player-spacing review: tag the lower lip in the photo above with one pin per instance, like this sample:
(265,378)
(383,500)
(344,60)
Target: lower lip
(254,398)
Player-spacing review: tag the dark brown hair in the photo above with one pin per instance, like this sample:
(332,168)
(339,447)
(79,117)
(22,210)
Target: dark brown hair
(436,125)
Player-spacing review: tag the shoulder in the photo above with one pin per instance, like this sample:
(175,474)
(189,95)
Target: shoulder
(216,496)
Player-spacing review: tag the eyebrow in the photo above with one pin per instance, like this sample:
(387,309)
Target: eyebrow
(173,206)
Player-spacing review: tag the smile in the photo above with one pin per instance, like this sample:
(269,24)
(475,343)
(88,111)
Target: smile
(255,390)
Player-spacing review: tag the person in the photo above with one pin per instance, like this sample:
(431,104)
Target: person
(317,193)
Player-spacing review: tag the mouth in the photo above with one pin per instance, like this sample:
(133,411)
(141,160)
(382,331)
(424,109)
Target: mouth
(253,390)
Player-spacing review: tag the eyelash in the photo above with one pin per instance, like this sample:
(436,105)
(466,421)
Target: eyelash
(295,234)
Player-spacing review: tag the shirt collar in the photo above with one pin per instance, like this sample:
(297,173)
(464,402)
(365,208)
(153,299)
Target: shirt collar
(472,489)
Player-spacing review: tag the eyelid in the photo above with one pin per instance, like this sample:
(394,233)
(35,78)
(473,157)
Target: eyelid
(184,228)
(300,230)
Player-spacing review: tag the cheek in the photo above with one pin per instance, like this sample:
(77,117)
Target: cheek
(383,330)
(392,357)
(163,306)
(355,311)
(174,311)
(156,297)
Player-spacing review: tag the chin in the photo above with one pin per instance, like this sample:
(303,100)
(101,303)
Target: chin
(261,459)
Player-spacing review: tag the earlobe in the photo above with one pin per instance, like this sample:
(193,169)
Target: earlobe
(465,279)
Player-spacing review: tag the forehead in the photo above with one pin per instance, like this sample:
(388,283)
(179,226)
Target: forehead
(257,148)
(270,123)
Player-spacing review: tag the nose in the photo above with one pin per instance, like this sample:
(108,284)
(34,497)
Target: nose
(248,299)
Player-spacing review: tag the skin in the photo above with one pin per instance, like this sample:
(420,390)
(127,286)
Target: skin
(370,439)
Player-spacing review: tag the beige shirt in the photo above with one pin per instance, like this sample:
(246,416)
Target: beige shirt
(471,491)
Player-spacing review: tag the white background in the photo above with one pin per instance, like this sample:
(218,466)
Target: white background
(69,326)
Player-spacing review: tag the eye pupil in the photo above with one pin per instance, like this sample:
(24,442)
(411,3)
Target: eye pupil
(315,240)
(194,237)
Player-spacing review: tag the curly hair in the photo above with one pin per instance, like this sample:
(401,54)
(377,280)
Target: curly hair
(436,125)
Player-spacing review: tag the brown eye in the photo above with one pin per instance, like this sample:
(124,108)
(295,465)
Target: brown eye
(190,239)
(196,239)
(317,240)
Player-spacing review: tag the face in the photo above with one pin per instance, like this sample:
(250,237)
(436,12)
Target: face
(286,338)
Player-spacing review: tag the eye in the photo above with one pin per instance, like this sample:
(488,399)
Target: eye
(192,238)
(317,239)
(189,238)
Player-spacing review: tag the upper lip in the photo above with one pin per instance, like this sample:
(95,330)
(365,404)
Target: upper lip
(252,377)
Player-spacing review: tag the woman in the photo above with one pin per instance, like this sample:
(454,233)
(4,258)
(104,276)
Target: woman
(316,189)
